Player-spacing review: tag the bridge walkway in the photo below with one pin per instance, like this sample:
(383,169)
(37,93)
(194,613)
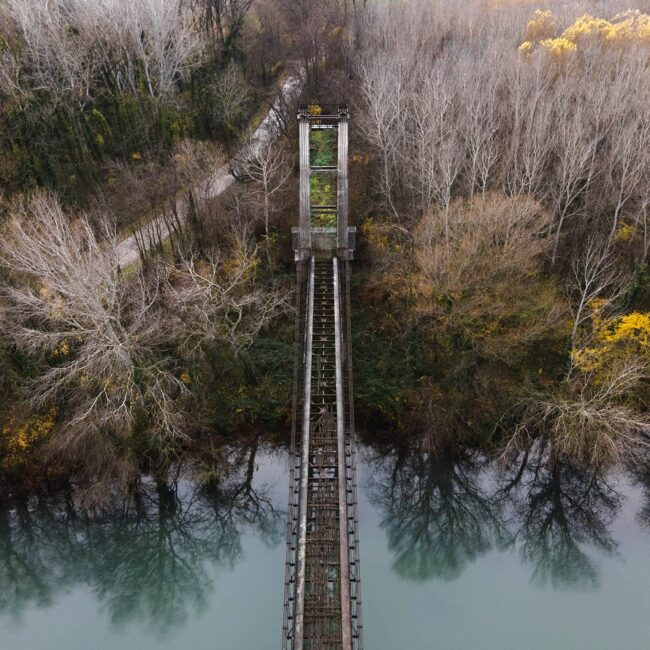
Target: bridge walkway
(322,604)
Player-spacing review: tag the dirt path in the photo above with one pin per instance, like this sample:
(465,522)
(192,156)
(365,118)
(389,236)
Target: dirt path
(158,228)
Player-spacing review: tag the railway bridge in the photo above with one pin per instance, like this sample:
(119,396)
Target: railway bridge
(322,602)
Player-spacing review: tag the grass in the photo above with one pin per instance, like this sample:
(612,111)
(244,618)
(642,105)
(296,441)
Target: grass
(322,148)
(322,186)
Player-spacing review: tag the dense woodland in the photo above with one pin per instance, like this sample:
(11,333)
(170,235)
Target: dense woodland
(500,181)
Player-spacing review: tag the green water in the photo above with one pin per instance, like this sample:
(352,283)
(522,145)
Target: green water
(456,555)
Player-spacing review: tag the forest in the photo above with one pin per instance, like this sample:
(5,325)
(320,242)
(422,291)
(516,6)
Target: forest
(499,182)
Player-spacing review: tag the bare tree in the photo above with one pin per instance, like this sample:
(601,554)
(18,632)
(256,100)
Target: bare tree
(223,19)
(435,153)
(530,143)
(163,37)
(11,82)
(575,152)
(68,45)
(595,274)
(70,301)
(59,57)
(222,307)
(494,239)
(480,96)
(268,167)
(642,219)
(595,423)
(383,118)
(111,345)
(627,166)
(233,95)
(483,281)
(534,125)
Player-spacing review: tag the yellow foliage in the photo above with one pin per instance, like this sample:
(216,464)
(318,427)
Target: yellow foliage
(628,27)
(56,310)
(61,350)
(21,437)
(587,26)
(619,32)
(136,156)
(596,306)
(614,338)
(542,25)
(527,47)
(559,46)
(185,377)
(624,232)
(57,307)
(634,327)
(314,110)
(632,27)
(376,234)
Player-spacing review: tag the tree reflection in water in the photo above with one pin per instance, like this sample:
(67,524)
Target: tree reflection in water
(640,472)
(147,561)
(436,514)
(441,513)
(557,512)
(27,553)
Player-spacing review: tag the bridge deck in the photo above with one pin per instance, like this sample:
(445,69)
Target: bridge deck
(322,596)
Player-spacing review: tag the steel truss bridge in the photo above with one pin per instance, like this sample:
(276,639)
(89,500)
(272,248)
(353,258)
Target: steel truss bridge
(322,602)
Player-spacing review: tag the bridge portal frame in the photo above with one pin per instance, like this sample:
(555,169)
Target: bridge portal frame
(307,239)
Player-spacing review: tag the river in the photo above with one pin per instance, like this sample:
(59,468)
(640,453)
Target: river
(455,553)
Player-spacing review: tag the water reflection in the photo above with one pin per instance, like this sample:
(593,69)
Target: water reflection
(640,472)
(25,573)
(557,513)
(437,516)
(148,561)
(441,513)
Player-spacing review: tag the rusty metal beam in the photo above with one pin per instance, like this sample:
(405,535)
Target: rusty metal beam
(304,471)
(344,551)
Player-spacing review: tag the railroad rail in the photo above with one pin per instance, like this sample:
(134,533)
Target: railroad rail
(322,599)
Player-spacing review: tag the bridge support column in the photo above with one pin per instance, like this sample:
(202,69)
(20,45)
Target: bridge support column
(342,185)
(304,223)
